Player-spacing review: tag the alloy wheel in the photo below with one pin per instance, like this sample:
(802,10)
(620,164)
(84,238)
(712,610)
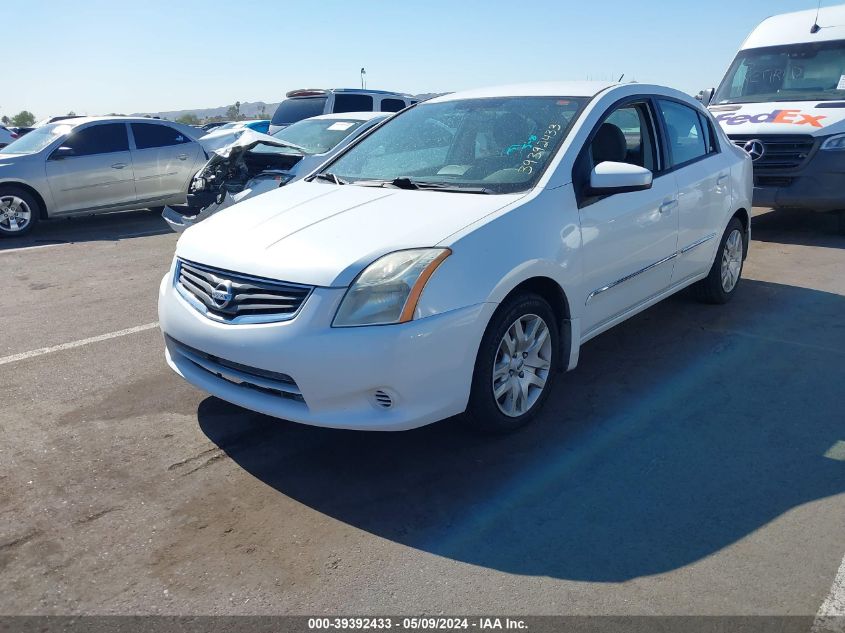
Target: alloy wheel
(15,214)
(731,260)
(521,365)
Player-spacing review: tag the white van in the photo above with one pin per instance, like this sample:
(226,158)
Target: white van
(783,101)
(311,102)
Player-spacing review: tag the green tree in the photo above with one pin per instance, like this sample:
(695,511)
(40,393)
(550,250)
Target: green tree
(232,113)
(188,119)
(6,120)
(23,119)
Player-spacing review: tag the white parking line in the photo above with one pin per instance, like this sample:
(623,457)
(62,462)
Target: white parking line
(85,341)
(831,615)
(18,249)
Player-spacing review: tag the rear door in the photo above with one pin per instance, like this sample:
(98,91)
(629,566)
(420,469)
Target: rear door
(702,175)
(97,175)
(164,160)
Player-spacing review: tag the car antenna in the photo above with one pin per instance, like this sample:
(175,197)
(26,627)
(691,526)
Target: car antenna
(816,28)
(620,78)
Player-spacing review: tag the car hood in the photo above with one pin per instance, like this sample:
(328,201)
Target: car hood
(324,235)
(816,118)
(13,159)
(249,139)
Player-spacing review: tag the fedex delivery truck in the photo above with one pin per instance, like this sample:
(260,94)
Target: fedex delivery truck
(783,101)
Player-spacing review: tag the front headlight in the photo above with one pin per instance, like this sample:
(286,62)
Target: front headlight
(387,291)
(834,143)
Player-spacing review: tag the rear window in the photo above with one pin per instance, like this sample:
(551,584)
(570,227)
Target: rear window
(298,108)
(353,103)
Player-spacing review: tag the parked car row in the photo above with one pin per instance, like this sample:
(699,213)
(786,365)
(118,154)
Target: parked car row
(75,165)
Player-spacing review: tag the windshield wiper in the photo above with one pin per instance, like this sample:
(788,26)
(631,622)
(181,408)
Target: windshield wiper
(403,182)
(332,178)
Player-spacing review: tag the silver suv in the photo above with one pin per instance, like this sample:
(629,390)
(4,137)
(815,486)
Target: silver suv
(95,165)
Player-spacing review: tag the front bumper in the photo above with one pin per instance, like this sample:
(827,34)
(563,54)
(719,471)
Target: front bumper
(424,366)
(817,186)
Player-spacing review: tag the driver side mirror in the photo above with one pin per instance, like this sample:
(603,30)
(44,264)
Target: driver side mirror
(608,178)
(62,152)
(706,96)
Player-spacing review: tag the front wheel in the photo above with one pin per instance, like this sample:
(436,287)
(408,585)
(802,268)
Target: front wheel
(720,285)
(18,212)
(516,362)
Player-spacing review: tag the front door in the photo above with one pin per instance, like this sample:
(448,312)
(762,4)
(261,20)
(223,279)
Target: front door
(95,172)
(629,239)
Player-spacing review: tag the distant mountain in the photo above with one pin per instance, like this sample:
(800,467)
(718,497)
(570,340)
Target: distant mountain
(249,109)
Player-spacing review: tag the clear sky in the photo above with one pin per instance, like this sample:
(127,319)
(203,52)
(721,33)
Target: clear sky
(101,56)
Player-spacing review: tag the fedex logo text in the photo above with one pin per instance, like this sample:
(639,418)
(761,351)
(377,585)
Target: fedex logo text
(793,117)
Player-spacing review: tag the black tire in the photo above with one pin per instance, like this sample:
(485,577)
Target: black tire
(483,411)
(31,203)
(710,289)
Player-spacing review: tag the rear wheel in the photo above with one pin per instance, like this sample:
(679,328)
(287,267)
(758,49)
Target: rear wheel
(721,283)
(516,362)
(19,212)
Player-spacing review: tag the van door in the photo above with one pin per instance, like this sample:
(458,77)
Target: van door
(702,175)
(97,174)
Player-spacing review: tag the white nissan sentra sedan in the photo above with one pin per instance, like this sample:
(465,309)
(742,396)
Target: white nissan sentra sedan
(456,258)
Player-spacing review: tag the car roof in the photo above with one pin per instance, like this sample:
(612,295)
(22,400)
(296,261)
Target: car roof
(538,89)
(116,119)
(794,28)
(316,92)
(358,116)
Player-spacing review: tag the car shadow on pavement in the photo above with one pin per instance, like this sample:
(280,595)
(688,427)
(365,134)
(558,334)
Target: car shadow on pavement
(93,228)
(803,228)
(681,431)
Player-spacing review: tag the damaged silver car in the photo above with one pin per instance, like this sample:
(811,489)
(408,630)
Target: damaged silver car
(257,163)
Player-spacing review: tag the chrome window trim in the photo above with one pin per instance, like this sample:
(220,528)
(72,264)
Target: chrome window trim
(200,307)
(668,258)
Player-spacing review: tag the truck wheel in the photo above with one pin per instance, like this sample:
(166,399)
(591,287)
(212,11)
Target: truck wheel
(19,212)
(516,362)
(720,285)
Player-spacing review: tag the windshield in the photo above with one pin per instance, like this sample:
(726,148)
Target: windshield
(298,108)
(500,144)
(316,136)
(796,72)
(38,139)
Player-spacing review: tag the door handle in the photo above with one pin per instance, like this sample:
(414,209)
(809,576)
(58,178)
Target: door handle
(118,166)
(722,178)
(667,206)
(182,157)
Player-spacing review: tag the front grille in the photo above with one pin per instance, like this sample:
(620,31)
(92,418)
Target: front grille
(772,181)
(235,298)
(781,151)
(274,383)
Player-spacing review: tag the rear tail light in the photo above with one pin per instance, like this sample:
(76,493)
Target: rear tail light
(13,135)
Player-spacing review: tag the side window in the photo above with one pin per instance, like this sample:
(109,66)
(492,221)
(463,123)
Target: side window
(352,103)
(149,135)
(709,134)
(625,136)
(686,137)
(392,105)
(99,139)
